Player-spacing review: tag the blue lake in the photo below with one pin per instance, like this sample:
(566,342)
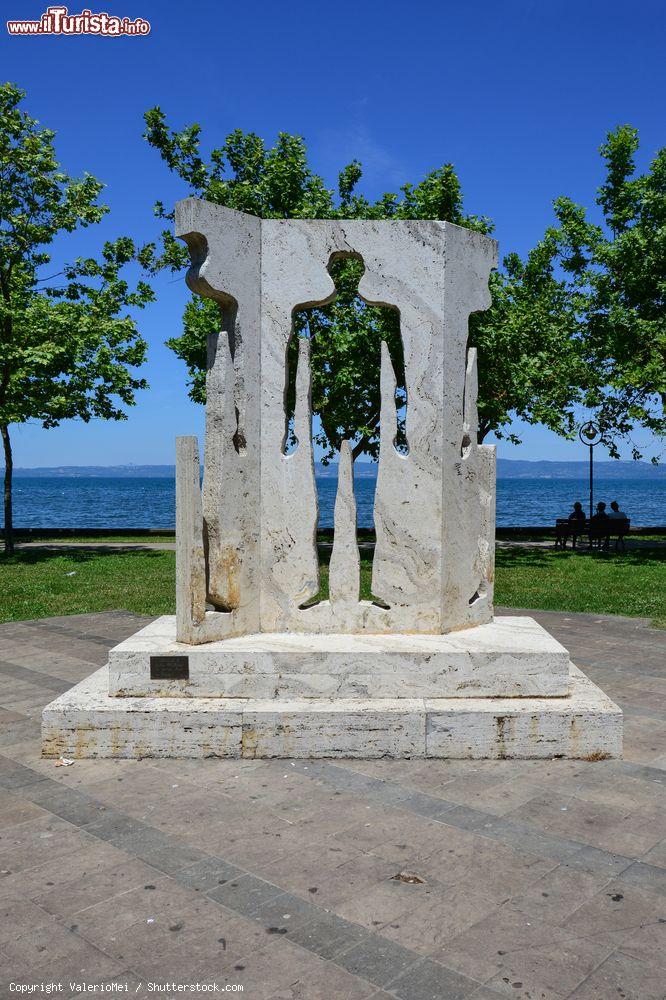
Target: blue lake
(95,502)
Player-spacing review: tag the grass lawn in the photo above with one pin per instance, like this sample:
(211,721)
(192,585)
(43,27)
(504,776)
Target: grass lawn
(38,584)
(94,539)
(632,584)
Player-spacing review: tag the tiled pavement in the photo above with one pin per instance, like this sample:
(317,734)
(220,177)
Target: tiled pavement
(538,879)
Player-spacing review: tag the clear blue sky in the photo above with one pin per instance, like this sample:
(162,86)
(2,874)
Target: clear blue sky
(517,95)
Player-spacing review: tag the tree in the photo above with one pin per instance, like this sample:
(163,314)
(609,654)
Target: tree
(530,362)
(617,273)
(66,349)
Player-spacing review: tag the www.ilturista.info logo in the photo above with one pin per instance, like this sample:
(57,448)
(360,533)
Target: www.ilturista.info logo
(58,21)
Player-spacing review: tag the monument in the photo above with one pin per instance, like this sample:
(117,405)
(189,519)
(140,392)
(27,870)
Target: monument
(255,663)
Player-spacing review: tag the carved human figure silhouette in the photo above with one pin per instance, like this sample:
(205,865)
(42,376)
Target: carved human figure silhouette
(345,337)
(345,334)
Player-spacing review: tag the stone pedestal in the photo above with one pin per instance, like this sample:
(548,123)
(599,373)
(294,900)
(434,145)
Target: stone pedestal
(88,722)
(255,663)
(504,689)
(508,657)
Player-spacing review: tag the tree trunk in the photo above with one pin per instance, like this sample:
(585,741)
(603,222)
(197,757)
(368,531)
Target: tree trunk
(483,430)
(9,468)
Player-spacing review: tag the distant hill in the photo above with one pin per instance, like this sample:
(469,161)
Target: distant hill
(507,468)
(98,471)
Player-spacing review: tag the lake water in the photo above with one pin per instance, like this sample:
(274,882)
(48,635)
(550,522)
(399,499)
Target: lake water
(94,502)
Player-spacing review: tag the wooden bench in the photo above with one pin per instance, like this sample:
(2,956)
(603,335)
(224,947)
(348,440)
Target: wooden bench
(601,532)
(598,533)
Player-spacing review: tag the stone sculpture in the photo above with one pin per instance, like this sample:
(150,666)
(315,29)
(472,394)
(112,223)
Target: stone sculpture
(432,568)
(254,663)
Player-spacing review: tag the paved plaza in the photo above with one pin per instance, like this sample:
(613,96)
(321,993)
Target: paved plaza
(345,880)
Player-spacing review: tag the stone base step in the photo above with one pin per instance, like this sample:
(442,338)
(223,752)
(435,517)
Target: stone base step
(86,722)
(508,657)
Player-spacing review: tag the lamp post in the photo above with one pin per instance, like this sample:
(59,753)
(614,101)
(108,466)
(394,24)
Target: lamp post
(590,435)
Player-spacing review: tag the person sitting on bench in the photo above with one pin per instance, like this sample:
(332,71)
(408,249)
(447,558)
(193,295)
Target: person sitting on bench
(599,526)
(576,522)
(573,525)
(577,515)
(616,513)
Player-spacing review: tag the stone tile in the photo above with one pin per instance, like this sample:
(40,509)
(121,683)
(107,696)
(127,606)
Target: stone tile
(114,825)
(621,914)
(567,816)
(381,904)
(644,772)
(328,936)
(184,948)
(316,866)
(398,834)
(161,901)
(40,880)
(645,876)
(621,975)
(283,913)
(557,894)
(208,874)
(351,880)
(487,867)
(95,887)
(647,943)
(165,853)
(69,804)
(45,680)
(524,837)
(419,803)
(635,833)
(438,917)
(27,728)
(15,775)
(484,993)
(378,960)
(7,716)
(657,855)
(275,971)
(246,895)
(49,949)
(596,861)
(644,740)
(38,841)
(508,947)
(271,840)
(14,810)
(550,970)
(428,980)
(18,918)
(617,790)
(490,795)
(351,820)
(465,818)
(324,981)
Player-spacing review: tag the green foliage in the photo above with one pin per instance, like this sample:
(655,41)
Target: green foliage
(67,346)
(616,272)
